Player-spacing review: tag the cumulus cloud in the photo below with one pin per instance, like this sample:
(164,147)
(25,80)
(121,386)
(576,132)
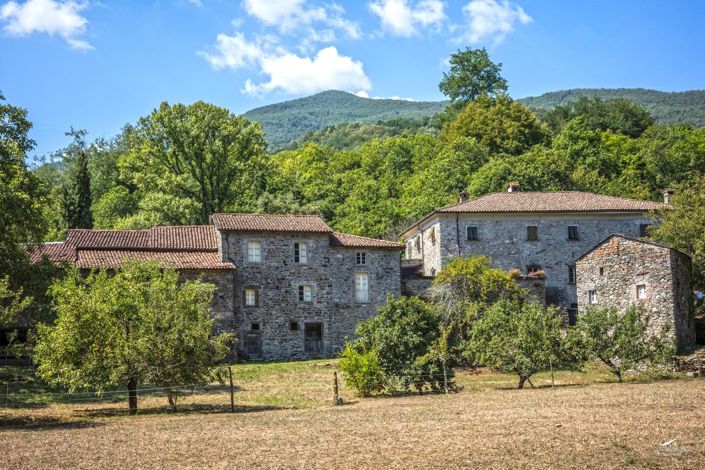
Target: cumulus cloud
(287,71)
(291,16)
(492,20)
(400,18)
(60,18)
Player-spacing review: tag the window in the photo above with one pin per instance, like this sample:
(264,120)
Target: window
(417,243)
(251,297)
(254,252)
(472,233)
(602,271)
(293,325)
(641,291)
(532,233)
(573,232)
(571,275)
(361,258)
(304,293)
(433,235)
(644,229)
(533,269)
(572,314)
(592,296)
(300,254)
(362,288)
(254,326)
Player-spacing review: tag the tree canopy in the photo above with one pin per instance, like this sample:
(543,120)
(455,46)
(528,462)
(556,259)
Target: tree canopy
(472,74)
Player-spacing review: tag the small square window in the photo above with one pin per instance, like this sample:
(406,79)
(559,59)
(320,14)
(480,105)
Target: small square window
(254,251)
(641,291)
(573,232)
(571,275)
(293,325)
(602,271)
(644,229)
(251,297)
(592,297)
(254,327)
(305,293)
(361,258)
(300,253)
(532,233)
(472,233)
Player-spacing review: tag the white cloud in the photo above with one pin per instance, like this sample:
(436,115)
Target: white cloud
(61,18)
(287,71)
(362,94)
(402,19)
(290,16)
(492,20)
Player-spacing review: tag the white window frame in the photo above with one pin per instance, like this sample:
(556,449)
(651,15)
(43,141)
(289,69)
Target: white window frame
(301,251)
(254,251)
(641,291)
(361,258)
(250,297)
(592,297)
(305,293)
(362,287)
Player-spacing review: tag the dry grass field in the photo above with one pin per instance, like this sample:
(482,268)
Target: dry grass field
(285,419)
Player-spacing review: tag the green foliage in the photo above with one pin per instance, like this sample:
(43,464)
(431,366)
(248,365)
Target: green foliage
(622,341)
(472,74)
(666,107)
(522,338)
(199,154)
(403,331)
(503,126)
(137,326)
(285,122)
(617,115)
(76,193)
(362,370)
(683,226)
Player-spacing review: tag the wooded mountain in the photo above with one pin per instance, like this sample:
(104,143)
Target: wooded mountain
(288,121)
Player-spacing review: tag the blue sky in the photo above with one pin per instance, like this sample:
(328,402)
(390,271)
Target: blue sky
(97,65)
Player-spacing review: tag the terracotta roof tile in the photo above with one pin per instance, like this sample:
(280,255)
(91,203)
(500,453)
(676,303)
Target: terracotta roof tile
(562,201)
(345,239)
(111,259)
(56,252)
(160,237)
(270,223)
(85,238)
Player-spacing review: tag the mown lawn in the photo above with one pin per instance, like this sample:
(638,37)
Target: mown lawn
(285,418)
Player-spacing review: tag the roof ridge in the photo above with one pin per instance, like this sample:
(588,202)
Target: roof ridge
(267,214)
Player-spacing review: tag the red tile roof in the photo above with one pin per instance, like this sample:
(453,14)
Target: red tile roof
(160,237)
(56,252)
(345,239)
(111,259)
(561,201)
(270,223)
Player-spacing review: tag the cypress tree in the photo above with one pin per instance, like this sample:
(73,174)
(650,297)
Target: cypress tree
(76,194)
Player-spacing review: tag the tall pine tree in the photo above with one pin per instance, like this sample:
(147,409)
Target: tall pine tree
(76,194)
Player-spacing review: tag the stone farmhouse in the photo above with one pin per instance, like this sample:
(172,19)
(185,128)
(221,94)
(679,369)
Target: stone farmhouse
(539,233)
(622,271)
(289,285)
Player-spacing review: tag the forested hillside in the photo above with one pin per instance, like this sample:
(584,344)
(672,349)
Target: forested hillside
(285,122)
(666,107)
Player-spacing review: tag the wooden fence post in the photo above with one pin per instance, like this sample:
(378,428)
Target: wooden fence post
(336,398)
(232,389)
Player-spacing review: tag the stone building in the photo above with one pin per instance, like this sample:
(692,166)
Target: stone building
(287,284)
(528,231)
(621,271)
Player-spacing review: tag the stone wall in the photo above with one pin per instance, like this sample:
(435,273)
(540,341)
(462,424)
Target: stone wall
(331,274)
(503,237)
(615,268)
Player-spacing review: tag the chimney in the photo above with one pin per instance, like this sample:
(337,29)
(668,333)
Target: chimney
(463,197)
(513,187)
(667,195)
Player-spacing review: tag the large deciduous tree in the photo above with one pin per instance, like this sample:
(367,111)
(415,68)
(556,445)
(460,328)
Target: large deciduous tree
(136,326)
(472,74)
(198,153)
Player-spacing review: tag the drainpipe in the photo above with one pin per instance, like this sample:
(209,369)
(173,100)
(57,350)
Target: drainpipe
(457,232)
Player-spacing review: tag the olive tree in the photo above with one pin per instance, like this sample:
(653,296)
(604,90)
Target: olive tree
(135,326)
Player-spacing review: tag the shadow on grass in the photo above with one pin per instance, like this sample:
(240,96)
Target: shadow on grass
(45,423)
(182,410)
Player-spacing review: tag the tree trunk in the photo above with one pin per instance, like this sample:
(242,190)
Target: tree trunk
(522,379)
(132,396)
(618,373)
(171,396)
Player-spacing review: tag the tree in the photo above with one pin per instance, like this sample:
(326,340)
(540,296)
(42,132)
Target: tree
(76,195)
(682,226)
(137,326)
(522,338)
(501,126)
(472,74)
(622,341)
(362,370)
(200,153)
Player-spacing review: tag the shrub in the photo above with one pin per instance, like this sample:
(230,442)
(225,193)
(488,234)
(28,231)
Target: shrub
(362,370)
